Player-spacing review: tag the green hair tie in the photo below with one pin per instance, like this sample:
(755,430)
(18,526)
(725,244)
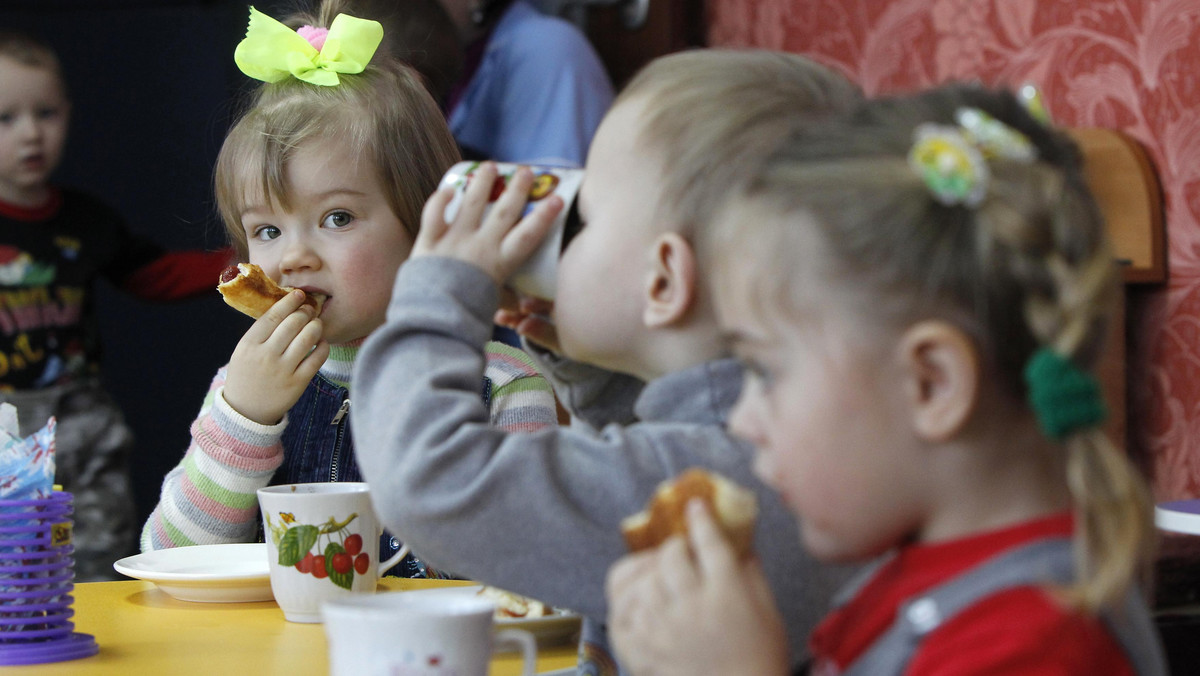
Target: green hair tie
(1064,397)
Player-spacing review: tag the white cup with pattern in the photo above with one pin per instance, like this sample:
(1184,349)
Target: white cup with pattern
(322,544)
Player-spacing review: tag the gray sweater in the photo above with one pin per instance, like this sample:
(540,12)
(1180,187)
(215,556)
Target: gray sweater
(538,513)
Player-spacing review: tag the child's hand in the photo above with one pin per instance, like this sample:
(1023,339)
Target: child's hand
(670,613)
(497,244)
(529,317)
(275,360)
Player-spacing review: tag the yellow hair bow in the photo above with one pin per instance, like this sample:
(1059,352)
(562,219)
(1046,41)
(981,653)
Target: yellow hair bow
(271,51)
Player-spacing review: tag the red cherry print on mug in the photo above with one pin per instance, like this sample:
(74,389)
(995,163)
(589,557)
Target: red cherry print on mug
(305,565)
(361,562)
(342,562)
(353,544)
(319,571)
(498,188)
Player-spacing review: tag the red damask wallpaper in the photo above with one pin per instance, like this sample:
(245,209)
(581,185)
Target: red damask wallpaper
(1126,64)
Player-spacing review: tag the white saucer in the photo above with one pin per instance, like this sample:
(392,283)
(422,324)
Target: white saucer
(207,573)
(1180,516)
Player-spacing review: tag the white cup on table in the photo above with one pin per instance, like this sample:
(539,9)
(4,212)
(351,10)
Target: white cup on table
(322,544)
(418,634)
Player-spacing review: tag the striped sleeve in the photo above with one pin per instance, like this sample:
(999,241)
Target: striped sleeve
(522,399)
(209,498)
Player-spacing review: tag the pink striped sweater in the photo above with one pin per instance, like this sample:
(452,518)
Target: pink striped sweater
(209,498)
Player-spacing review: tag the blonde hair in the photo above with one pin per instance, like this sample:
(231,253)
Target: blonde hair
(710,112)
(1029,267)
(383,115)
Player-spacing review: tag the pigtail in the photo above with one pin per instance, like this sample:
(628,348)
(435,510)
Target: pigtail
(1061,259)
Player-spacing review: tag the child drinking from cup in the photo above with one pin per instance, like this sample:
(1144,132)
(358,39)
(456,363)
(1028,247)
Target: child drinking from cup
(919,294)
(320,183)
(57,244)
(640,361)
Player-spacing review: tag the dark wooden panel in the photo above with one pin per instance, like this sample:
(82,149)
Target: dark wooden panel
(671,26)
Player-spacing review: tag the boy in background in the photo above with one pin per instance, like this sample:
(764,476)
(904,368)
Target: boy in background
(634,351)
(55,243)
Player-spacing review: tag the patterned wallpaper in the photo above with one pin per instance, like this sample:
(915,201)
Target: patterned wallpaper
(1127,64)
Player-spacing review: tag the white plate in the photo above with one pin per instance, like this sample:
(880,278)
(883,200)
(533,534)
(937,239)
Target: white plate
(559,626)
(207,573)
(1180,516)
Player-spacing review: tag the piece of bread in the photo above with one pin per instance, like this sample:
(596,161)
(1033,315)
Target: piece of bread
(735,509)
(246,288)
(509,604)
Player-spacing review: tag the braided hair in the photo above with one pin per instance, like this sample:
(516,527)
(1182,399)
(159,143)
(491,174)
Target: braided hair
(1025,269)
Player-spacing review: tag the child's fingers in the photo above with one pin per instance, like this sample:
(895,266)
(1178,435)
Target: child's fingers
(311,363)
(676,569)
(507,210)
(531,305)
(303,342)
(714,554)
(525,237)
(539,330)
(265,326)
(476,197)
(433,217)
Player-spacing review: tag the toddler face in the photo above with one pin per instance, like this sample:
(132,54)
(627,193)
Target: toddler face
(601,273)
(339,238)
(821,404)
(33,128)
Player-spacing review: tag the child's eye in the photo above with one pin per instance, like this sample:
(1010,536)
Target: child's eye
(337,219)
(265,233)
(7,118)
(47,113)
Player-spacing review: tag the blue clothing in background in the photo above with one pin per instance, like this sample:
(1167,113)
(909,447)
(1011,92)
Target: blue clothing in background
(538,95)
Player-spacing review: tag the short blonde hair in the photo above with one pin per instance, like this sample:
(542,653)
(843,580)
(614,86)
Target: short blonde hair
(29,51)
(709,113)
(1030,267)
(383,115)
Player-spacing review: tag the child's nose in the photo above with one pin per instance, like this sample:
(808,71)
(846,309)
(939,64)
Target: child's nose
(29,128)
(299,254)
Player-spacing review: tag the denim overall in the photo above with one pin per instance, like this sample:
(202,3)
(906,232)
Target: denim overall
(320,448)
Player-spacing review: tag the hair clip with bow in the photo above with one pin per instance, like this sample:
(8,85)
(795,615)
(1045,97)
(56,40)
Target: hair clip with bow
(272,52)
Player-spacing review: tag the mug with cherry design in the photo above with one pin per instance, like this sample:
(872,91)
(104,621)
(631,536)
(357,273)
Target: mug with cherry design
(322,543)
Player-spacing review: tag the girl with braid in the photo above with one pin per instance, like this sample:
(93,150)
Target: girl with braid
(919,293)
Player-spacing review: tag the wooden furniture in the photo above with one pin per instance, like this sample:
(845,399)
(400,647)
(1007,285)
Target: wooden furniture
(142,630)
(1122,179)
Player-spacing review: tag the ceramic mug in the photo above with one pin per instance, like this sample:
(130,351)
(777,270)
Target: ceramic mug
(418,634)
(322,543)
(538,276)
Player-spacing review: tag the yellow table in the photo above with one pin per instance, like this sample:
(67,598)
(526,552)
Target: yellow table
(142,630)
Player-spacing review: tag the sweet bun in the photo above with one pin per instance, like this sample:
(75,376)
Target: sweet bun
(246,288)
(735,509)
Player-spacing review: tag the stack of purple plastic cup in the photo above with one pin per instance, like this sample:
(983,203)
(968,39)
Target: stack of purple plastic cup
(36,579)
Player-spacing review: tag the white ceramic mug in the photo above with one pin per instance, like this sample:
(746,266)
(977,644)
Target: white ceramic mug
(418,634)
(538,276)
(322,543)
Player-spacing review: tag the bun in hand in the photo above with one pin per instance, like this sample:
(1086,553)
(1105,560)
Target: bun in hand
(734,507)
(246,288)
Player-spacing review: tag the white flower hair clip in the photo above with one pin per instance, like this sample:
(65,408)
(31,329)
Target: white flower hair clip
(953,160)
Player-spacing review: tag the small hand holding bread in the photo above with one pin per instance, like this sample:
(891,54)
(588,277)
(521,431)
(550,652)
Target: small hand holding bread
(733,507)
(246,288)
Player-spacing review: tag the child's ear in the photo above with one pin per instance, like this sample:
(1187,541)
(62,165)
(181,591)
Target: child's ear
(941,369)
(671,281)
